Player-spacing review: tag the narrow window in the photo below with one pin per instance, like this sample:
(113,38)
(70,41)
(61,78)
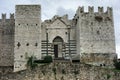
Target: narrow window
(36,44)
(26,55)
(98,32)
(21,56)
(18,44)
(66,33)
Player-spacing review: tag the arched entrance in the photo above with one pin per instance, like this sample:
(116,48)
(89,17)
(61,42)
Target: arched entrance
(58,45)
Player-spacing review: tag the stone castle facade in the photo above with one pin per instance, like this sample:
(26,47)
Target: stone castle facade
(89,36)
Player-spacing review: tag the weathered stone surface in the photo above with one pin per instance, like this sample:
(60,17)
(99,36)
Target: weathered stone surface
(64,71)
(27,35)
(95,33)
(89,34)
(7,40)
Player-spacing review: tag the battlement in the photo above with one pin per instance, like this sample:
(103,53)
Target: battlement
(3,16)
(91,10)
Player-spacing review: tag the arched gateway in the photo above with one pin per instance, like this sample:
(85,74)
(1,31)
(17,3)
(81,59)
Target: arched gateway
(58,47)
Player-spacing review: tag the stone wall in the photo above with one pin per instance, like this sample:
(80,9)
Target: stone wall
(64,71)
(7,40)
(95,32)
(27,34)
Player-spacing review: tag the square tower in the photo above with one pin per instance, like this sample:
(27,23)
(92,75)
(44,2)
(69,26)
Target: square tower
(27,35)
(95,36)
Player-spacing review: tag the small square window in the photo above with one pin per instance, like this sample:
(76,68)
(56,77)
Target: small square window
(21,56)
(27,44)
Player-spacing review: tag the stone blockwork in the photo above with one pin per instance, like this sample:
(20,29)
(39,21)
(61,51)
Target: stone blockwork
(95,33)
(89,34)
(27,34)
(99,59)
(7,40)
(64,71)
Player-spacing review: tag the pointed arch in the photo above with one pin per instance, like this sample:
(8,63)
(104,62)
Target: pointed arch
(58,39)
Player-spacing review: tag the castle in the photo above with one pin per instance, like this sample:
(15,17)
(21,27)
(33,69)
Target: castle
(89,36)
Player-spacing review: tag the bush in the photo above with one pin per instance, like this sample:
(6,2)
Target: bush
(117,64)
(31,63)
(47,59)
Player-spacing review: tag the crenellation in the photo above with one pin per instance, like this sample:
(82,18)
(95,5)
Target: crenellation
(11,16)
(100,10)
(90,9)
(109,11)
(3,17)
(6,20)
(81,9)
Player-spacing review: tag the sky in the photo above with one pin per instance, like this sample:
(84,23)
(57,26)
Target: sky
(49,8)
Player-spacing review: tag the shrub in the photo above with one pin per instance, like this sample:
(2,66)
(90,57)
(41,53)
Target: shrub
(30,62)
(108,76)
(63,71)
(117,64)
(47,59)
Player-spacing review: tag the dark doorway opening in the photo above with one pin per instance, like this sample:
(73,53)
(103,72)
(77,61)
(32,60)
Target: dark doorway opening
(56,51)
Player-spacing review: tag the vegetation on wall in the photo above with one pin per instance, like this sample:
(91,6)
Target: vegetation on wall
(63,71)
(47,59)
(108,76)
(117,64)
(30,62)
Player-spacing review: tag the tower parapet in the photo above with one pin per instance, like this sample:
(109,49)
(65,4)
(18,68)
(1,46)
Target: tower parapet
(95,36)
(91,10)
(4,18)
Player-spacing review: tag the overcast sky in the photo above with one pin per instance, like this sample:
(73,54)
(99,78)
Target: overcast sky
(61,7)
